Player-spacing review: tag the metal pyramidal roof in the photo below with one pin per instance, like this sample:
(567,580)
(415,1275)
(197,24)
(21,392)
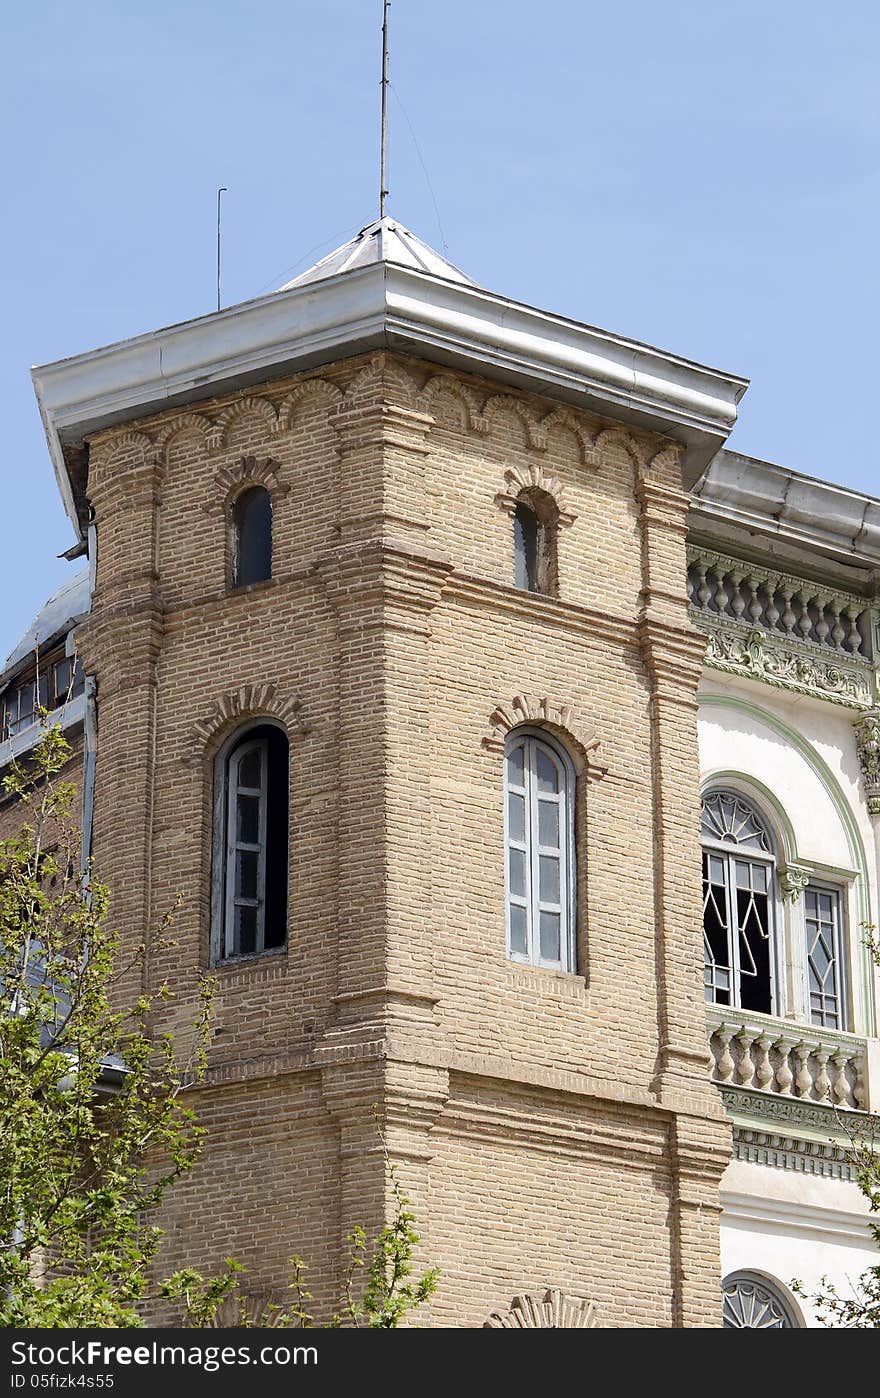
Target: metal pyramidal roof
(382,241)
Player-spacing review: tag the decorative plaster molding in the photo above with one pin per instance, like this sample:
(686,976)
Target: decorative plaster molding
(772,1106)
(788,1152)
(868,747)
(252,701)
(555,1311)
(542,711)
(533,477)
(248,471)
(760,656)
(242,407)
(793,879)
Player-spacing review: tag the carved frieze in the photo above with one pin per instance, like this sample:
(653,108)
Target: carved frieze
(868,746)
(759,656)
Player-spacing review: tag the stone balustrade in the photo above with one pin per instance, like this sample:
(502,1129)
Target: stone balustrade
(789,607)
(779,1056)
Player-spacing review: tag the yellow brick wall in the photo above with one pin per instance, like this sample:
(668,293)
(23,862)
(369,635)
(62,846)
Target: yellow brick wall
(525,1109)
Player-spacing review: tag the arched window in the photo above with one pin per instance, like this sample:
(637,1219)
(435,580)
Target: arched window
(738,904)
(249,887)
(539,851)
(753,1302)
(535,522)
(252,537)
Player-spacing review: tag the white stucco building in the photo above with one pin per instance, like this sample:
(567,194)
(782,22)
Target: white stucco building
(782,577)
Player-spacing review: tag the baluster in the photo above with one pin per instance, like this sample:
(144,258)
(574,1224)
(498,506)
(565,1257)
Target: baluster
(838,630)
(745,1068)
(704,592)
(737,601)
(724,1064)
(771,615)
(805,621)
(788,616)
(840,1086)
(822,628)
(764,1069)
(720,590)
(754,606)
(784,1076)
(860,1091)
(854,639)
(804,1080)
(822,1083)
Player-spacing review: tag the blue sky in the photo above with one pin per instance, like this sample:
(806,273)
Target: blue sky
(699,176)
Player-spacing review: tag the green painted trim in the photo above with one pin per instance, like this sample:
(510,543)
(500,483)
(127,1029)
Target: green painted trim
(790,854)
(838,797)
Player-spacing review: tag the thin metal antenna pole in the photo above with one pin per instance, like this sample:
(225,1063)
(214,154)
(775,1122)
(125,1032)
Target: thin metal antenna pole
(222,190)
(384,141)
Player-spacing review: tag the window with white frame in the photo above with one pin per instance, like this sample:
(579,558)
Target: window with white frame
(824,955)
(539,789)
(739,879)
(249,893)
(751,1301)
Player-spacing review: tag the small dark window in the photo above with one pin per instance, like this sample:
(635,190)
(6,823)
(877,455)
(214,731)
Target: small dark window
(526,535)
(250,844)
(534,543)
(67,680)
(252,537)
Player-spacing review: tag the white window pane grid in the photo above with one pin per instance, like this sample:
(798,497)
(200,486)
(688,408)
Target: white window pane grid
(823,948)
(246,857)
(537,864)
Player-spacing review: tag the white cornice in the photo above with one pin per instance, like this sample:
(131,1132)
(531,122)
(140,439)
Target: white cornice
(375,306)
(789,1216)
(775,503)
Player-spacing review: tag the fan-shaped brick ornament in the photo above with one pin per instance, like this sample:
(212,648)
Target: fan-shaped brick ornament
(555,1312)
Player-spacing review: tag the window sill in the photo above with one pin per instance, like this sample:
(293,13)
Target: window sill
(248,960)
(250,588)
(545,978)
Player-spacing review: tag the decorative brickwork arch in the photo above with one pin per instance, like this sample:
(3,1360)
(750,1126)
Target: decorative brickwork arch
(127,443)
(186,422)
(616,437)
(381,370)
(252,701)
(232,480)
(561,417)
(555,1311)
(505,402)
(544,712)
(310,390)
(533,478)
(445,383)
(243,407)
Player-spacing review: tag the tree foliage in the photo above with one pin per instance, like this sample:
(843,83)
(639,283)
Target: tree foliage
(858,1308)
(92,1127)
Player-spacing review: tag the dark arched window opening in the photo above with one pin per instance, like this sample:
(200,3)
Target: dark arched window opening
(739,880)
(250,843)
(535,522)
(252,537)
